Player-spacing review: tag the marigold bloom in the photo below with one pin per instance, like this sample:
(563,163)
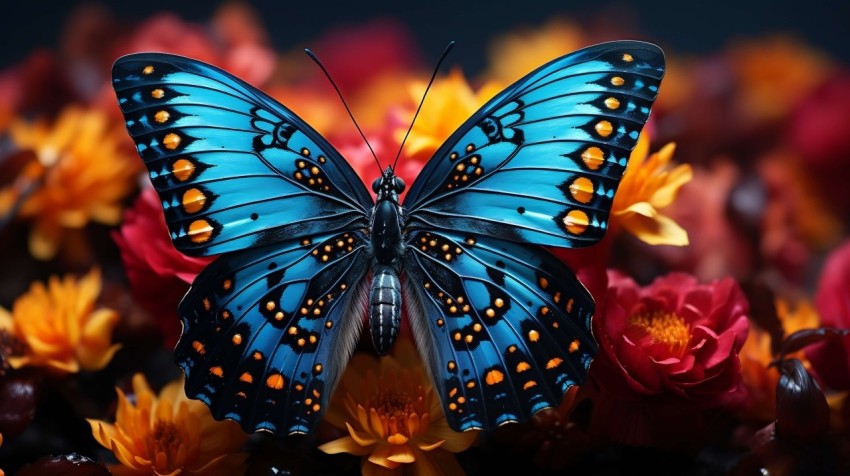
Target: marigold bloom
(451,101)
(520,52)
(774,73)
(86,175)
(650,183)
(60,327)
(169,434)
(394,420)
(756,356)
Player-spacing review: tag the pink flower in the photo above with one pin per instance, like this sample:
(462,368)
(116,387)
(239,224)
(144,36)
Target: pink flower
(831,360)
(668,351)
(159,275)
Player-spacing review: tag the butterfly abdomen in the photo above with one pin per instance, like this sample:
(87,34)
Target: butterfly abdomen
(384,307)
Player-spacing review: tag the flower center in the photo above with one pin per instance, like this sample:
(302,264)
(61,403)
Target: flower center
(166,439)
(664,328)
(396,404)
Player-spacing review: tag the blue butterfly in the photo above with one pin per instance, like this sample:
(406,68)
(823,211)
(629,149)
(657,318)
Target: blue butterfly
(502,324)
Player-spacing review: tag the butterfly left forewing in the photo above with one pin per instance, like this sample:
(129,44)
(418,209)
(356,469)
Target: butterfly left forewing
(268,331)
(503,326)
(233,167)
(541,161)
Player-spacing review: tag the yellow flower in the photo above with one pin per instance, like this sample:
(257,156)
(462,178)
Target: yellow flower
(169,435)
(650,184)
(760,378)
(520,52)
(450,102)
(393,419)
(86,175)
(60,327)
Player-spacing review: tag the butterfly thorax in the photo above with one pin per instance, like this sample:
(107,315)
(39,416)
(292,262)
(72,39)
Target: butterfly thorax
(386,248)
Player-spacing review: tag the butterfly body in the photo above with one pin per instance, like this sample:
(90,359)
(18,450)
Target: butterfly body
(502,325)
(386,249)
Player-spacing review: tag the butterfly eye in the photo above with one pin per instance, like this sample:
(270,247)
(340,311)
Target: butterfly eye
(376,185)
(398,184)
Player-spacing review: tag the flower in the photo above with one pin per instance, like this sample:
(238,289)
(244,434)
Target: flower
(717,245)
(648,185)
(518,53)
(756,357)
(773,74)
(169,434)
(831,360)
(552,436)
(60,327)
(393,419)
(86,175)
(159,275)
(818,131)
(451,101)
(667,351)
(246,58)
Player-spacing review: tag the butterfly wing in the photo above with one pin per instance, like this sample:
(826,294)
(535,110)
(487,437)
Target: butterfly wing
(540,162)
(267,331)
(233,167)
(536,165)
(503,325)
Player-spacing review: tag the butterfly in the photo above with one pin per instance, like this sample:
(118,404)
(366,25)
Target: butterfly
(305,250)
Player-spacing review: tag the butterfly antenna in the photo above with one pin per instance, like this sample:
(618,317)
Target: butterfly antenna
(433,76)
(324,70)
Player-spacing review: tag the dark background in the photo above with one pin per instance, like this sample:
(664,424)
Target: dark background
(678,25)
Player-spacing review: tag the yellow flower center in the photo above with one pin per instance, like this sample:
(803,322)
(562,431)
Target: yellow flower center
(664,328)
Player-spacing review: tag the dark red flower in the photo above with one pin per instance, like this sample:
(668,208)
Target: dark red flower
(818,131)
(357,55)
(831,360)
(668,351)
(159,275)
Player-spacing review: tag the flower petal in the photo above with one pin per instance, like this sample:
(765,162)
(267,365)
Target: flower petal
(653,228)
(381,455)
(361,438)
(346,444)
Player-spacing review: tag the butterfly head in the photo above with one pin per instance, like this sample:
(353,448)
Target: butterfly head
(388,185)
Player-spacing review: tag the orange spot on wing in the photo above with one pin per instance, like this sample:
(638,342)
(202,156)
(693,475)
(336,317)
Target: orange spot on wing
(493,377)
(275,381)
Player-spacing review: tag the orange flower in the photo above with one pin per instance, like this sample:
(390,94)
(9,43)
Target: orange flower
(60,327)
(393,419)
(169,435)
(85,175)
(519,53)
(759,377)
(774,74)
(650,184)
(450,102)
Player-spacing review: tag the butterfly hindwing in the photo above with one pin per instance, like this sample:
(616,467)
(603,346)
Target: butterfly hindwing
(504,326)
(232,166)
(541,161)
(268,331)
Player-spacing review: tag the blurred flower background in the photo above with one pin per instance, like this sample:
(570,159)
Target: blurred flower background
(722,287)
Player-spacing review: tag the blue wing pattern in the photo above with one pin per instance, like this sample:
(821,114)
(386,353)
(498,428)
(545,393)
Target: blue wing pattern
(233,167)
(504,326)
(540,162)
(268,331)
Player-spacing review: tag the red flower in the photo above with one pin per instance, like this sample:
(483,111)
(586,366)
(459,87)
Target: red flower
(159,274)
(818,131)
(668,351)
(831,360)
